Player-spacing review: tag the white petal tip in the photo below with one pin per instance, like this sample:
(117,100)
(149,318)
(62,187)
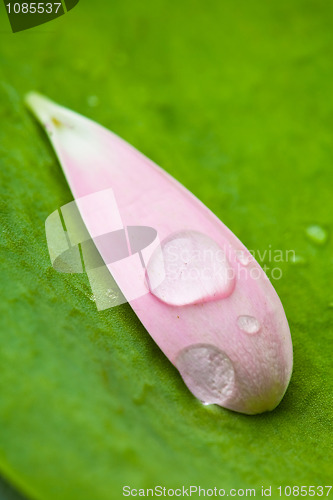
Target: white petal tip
(40,106)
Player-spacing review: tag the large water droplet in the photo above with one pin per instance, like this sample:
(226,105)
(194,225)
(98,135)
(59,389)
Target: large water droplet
(317,234)
(208,373)
(189,268)
(248,324)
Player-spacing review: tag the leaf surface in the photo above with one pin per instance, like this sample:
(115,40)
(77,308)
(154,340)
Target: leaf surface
(235,102)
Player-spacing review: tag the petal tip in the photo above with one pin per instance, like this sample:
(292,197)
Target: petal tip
(40,106)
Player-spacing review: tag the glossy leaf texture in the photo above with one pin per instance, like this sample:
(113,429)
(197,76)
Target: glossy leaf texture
(241,92)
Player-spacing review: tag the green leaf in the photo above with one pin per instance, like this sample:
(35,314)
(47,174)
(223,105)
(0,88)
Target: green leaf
(234,99)
(7,492)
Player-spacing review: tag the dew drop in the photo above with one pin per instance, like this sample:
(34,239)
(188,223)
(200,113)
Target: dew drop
(188,268)
(298,259)
(92,101)
(208,373)
(317,234)
(248,324)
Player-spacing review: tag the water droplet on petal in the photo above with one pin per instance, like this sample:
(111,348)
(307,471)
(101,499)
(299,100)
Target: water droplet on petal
(208,372)
(248,324)
(189,268)
(317,234)
(243,257)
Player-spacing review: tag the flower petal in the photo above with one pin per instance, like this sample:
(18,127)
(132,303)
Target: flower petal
(195,322)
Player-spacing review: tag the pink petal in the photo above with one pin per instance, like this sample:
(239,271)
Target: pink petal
(227,334)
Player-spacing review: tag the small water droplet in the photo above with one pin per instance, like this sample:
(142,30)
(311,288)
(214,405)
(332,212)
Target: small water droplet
(317,234)
(190,268)
(298,259)
(92,297)
(92,101)
(243,257)
(208,373)
(248,324)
